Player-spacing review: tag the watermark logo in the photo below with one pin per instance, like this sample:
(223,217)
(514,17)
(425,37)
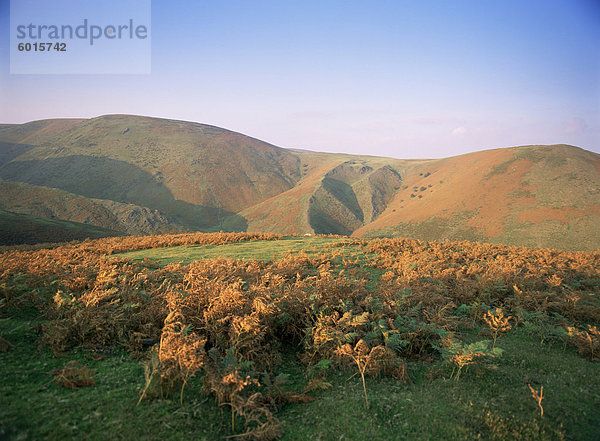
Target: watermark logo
(80,37)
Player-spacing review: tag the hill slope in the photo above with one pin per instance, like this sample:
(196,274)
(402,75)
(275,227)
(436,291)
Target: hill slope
(24,229)
(53,203)
(144,175)
(191,172)
(541,196)
(337,194)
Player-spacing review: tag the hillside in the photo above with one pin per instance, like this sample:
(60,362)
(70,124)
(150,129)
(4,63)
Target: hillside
(540,196)
(138,174)
(191,172)
(23,229)
(52,203)
(337,194)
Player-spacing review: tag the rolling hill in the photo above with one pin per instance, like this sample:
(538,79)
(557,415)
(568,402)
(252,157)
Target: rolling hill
(18,229)
(539,196)
(136,174)
(53,203)
(337,194)
(185,170)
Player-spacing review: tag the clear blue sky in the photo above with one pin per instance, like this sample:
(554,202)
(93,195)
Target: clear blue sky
(397,78)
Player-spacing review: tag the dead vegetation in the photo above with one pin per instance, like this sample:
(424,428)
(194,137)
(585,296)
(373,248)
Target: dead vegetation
(363,305)
(73,376)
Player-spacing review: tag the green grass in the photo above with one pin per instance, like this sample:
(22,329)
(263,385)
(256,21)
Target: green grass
(33,407)
(262,250)
(493,404)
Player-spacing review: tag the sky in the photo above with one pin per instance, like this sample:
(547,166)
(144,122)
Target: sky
(398,78)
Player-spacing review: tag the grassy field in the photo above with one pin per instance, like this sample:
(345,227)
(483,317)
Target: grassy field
(494,405)
(263,250)
(488,401)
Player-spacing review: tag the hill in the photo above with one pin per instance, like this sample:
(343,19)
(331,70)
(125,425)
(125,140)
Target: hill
(146,175)
(337,194)
(540,196)
(24,229)
(191,172)
(53,203)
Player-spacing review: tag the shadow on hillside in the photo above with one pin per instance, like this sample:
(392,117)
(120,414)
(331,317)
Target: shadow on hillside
(11,150)
(344,193)
(106,178)
(17,229)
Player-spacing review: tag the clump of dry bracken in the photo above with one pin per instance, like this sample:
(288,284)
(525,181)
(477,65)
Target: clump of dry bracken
(497,322)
